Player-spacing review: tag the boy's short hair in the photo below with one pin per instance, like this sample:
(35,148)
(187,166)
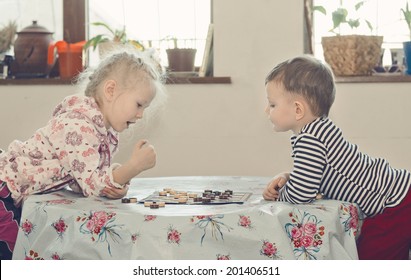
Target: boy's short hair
(309,77)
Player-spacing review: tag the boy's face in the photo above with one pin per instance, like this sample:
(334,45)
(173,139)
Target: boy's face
(128,106)
(280,109)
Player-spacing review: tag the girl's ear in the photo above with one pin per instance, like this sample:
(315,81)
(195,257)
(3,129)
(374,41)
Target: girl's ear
(109,90)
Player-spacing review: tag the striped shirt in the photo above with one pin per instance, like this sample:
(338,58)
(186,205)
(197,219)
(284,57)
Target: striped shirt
(324,162)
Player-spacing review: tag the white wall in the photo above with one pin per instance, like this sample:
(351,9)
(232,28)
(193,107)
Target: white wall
(222,129)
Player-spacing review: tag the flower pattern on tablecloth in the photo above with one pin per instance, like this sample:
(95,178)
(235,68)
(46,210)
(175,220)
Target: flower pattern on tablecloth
(214,223)
(245,222)
(349,217)
(223,257)
(173,235)
(207,236)
(305,232)
(33,255)
(149,218)
(60,226)
(27,227)
(269,250)
(43,204)
(55,256)
(59,202)
(100,225)
(134,237)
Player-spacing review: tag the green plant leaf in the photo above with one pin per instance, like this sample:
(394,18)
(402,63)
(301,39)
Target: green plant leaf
(369,25)
(95,41)
(339,16)
(320,9)
(359,5)
(104,25)
(354,23)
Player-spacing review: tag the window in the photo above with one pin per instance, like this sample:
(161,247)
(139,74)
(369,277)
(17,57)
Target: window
(47,13)
(385,17)
(152,22)
(148,21)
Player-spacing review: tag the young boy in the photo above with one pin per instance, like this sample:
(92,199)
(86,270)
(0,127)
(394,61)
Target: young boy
(300,92)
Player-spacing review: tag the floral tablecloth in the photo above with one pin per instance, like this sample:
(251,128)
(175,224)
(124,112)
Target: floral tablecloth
(65,225)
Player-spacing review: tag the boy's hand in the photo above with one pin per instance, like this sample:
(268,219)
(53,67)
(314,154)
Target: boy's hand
(271,191)
(114,193)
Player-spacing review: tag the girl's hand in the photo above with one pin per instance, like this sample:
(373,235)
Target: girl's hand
(271,192)
(114,193)
(143,156)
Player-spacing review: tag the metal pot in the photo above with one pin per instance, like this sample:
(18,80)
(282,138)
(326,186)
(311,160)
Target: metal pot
(30,51)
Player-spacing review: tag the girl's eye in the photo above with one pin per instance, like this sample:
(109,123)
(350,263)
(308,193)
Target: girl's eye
(139,105)
(272,106)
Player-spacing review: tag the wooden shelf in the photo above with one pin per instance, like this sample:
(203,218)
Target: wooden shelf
(174,80)
(199,80)
(375,79)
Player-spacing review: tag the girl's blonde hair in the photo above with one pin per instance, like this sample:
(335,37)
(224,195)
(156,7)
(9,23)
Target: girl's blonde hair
(128,65)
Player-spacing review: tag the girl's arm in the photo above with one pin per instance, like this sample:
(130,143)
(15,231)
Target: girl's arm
(142,158)
(77,147)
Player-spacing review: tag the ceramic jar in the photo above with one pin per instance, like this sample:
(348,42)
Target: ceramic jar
(30,51)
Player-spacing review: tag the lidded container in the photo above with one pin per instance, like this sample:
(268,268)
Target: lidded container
(30,51)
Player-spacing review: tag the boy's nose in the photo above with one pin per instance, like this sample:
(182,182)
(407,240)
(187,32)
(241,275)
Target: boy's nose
(139,114)
(267,110)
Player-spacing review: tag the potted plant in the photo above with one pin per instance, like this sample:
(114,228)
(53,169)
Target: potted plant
(407,45)
(7,34)
(106,41)
(350,55)
(180,59)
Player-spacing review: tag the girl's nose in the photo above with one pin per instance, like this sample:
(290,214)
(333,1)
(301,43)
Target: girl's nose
(267,110)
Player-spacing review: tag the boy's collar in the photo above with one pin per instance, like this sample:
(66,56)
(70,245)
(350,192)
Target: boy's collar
(306,126)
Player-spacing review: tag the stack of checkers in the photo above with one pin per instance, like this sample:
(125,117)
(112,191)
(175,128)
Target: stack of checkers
(154,204)
(179,196)
(209,195)
(129,200)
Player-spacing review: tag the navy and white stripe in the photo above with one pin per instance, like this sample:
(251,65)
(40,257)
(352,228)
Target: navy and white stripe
(324,162)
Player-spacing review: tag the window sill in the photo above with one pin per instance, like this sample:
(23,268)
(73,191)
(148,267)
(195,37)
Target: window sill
(389,78)
(57,81)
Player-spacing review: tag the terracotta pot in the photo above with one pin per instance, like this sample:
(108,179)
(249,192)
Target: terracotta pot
(30,51)
(70,58)
(181,60)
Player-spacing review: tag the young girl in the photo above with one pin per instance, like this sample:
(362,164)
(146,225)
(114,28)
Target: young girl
(77,145)
(300,92)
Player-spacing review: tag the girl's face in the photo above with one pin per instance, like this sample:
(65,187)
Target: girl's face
(125,107)
(280,108)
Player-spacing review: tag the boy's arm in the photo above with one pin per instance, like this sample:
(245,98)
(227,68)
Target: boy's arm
(271,192)
(305,178)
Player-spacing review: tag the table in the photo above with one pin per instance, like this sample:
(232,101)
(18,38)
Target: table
(65,225)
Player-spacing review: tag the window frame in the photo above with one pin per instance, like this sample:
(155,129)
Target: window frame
(308,43)
(75,30)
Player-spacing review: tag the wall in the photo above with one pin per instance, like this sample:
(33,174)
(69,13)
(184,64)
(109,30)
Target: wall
(222,129)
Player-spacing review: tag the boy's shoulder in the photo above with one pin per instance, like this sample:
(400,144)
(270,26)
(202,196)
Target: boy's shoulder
(320,126)
(321,130)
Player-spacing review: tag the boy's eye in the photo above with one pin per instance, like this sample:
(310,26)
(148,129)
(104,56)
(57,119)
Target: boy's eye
(272,105)
(139,105)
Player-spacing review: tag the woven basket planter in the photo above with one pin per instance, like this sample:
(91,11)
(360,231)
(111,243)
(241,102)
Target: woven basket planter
(352,55)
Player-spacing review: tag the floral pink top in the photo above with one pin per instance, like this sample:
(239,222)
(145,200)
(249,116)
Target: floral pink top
(74,149)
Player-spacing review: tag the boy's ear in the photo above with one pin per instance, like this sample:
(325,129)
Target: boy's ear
(299,110)
(109,89)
